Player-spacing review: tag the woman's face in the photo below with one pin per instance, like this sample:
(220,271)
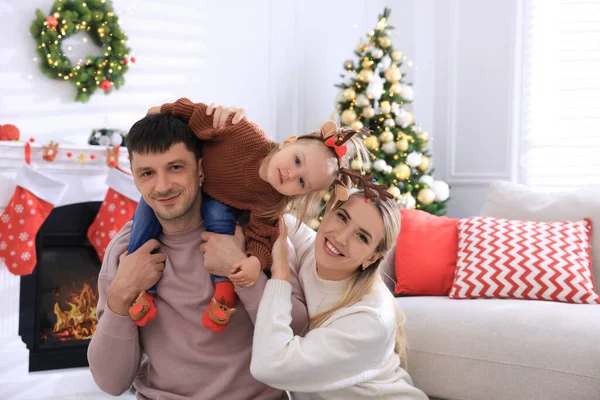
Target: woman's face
(347,239)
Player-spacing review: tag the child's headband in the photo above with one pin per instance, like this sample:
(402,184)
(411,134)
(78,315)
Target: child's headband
(335,138)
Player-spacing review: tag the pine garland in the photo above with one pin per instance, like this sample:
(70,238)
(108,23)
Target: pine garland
(97,18)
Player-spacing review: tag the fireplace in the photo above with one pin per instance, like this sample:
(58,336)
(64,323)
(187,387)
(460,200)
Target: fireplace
(33,366)
(58,300)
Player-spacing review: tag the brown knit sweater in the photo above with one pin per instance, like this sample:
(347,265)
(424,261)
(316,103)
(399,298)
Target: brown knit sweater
(231,157)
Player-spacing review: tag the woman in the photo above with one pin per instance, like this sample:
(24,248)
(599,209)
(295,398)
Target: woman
(355,344)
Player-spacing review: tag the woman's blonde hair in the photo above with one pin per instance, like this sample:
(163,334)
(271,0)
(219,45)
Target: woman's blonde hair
(363,281)
(308,206)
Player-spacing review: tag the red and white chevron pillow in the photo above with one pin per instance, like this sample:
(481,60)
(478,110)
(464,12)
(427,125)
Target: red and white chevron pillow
(499,258)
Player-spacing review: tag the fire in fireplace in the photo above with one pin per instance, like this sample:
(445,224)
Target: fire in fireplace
(78,319)
(58,300)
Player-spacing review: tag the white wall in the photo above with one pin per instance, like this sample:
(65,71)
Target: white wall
(199,49)
(476,77)
(280,60)
(262,55)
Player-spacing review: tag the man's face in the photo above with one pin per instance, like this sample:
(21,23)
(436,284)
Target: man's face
(169,182)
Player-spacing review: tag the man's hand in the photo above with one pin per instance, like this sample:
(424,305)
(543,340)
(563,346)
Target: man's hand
(222,251)
(137,272)
(245,273)
(222,113)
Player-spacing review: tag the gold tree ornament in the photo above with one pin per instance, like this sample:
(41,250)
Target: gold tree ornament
(423,136)
(393,74)
(366,75)
(385,42)
(402,144)
(349,65)
(349,94)
(372,143)
(348,117)
(396,55)
(368,112)
(385,107)
(396,88)
(356,165)
(426,196)
(424,166)
(402,171)
(394,191)
(357,125)
(386,136)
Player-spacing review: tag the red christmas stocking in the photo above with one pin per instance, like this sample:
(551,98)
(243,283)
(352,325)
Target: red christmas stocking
(33,200)
(116,210)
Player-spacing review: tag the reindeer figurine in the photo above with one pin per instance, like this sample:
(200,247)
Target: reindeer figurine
(112,156)
(50,151)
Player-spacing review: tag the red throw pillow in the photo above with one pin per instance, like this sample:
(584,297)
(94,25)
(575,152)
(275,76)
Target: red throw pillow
(501,258)
(426,254)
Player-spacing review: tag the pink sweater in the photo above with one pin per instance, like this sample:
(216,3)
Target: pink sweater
(185,360)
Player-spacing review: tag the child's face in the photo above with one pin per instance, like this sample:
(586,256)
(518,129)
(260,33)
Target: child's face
(301,167)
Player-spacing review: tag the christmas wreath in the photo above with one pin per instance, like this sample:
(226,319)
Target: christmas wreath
(96,17)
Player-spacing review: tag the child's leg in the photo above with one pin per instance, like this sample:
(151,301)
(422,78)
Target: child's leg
(219,218)
(145,227)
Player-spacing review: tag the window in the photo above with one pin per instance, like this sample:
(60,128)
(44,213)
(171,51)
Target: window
(560,103)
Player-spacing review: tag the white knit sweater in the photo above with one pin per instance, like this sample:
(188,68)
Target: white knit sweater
(351,356)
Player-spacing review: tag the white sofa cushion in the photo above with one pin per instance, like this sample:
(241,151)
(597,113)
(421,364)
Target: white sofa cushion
(514,201)
(503,349)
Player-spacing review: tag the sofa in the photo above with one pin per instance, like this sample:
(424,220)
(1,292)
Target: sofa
(504,349)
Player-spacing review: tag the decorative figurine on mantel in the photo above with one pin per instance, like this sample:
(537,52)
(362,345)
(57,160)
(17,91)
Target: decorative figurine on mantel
(107,137)
(9,132)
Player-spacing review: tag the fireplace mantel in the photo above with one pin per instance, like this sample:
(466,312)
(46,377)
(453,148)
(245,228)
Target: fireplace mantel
(86,181)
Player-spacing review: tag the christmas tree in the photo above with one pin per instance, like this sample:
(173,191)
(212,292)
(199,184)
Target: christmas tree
(374,95)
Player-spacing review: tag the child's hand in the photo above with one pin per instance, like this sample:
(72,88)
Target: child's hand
(248,271)
(222,113)
(153,110)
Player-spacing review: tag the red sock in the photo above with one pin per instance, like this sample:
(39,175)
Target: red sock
(217,314)
(138,307)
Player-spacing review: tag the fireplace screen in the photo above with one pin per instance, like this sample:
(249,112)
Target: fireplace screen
(68,296)
(58,300)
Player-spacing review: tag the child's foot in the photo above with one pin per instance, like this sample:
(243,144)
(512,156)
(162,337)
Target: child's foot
(143,309)
(218,313)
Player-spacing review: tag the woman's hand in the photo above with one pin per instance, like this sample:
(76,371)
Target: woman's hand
(222,113)
(281,260)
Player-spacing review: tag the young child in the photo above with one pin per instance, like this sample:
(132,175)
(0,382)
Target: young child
(244,170)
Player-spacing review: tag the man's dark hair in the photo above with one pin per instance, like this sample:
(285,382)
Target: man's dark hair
(158,132)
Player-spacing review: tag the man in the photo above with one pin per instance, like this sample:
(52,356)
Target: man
(184,359)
